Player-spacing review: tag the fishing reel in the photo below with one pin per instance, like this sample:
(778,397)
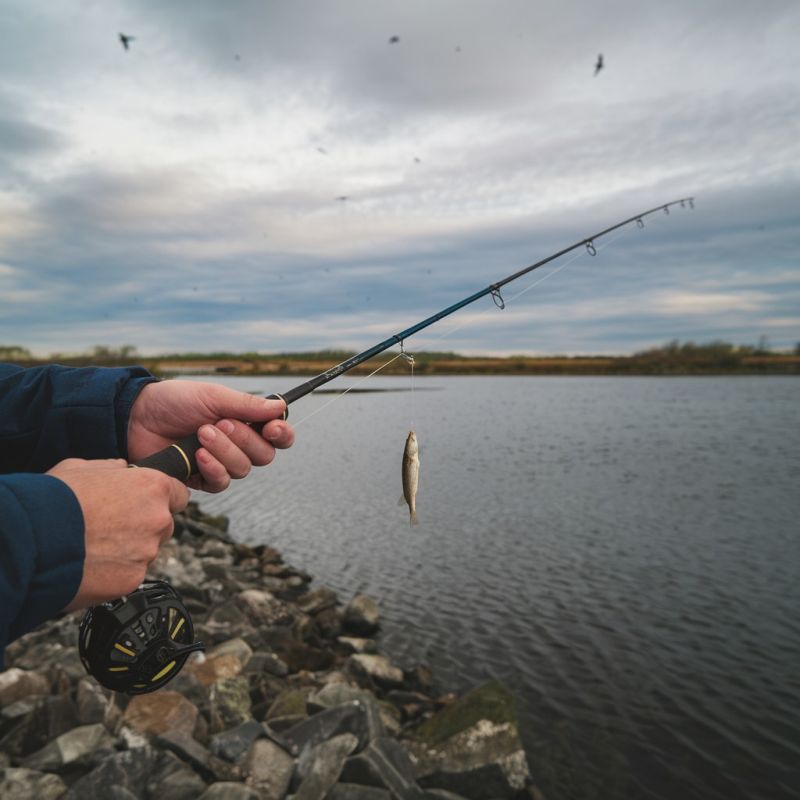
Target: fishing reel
(138,643)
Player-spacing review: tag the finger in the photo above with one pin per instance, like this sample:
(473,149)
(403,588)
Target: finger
(251,443)
(213,476)
(279,434)
(178,495)
(224,450)
(226,402)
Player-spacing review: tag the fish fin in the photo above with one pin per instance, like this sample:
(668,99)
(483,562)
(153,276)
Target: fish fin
(401,501)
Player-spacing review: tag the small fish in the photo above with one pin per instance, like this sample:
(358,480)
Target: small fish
(411,475)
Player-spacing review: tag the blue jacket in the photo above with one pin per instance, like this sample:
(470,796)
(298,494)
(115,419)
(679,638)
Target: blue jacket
(48,414)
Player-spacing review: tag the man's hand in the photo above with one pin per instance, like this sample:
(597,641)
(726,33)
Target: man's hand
(127,514)
(169,410)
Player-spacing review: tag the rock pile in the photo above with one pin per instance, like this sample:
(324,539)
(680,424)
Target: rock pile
(291,700)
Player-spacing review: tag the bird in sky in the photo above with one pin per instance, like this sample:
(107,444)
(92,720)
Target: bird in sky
(342,198)
(394,40)
(125,40)
(599,65)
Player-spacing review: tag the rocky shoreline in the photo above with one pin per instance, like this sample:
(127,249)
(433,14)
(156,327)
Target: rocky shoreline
(290,700)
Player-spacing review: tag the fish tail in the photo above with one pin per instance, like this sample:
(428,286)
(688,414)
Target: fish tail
(414,520)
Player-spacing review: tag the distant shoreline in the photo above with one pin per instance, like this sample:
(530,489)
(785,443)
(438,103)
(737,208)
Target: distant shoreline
(675,361)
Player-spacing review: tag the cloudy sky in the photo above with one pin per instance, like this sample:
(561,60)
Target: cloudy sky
(183,195)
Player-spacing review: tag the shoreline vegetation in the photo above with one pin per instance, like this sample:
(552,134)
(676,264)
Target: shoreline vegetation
(715,358)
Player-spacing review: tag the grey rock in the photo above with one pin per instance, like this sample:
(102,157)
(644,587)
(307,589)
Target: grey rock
(92,701)
(352,791)
(48,718)
(269,663)
(351,717)
(226,790)
(173,780)
(362,616)
(286,722)
(356,644)
(319,768)
(196,756)
(232,744)
(16,683)
(376,669)
(70,747)
(28,784)
(128,771)
(237,647)
(268,769)
(262,609)
(317,600)
(385,763)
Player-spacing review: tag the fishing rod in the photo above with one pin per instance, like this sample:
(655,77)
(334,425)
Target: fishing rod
(138,643)
(178,459)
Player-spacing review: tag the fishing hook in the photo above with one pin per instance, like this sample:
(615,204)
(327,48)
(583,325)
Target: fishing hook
(407,356)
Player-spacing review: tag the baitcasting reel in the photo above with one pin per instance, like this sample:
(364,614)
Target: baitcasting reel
(140,642)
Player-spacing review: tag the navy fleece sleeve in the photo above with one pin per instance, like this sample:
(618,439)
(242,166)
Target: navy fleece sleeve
(48,414)
(51,413)
(41,551)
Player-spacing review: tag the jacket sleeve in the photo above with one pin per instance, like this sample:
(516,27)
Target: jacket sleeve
(48,414)
(51,413)
(41,551)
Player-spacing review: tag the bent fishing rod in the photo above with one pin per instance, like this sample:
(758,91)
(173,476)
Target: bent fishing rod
(178,459)
(138,643)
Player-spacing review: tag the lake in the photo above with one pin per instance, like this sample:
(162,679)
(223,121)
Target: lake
(622,552)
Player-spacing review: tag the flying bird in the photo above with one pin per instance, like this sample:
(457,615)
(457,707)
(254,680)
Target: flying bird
(394,40)
(125,40)
(322,150)
(599,65)
(342,198)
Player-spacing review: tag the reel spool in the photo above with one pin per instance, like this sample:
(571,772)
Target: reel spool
(140,642)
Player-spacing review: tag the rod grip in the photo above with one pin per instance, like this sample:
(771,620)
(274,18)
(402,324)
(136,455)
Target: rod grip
(179,460)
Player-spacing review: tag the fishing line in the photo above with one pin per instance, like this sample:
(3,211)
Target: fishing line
(571,260)
(340,395)
(178,459)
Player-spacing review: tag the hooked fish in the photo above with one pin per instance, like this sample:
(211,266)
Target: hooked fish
(411,475)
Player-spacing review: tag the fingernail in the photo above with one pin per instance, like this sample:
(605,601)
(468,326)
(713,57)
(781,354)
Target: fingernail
(208,432)
(226,426)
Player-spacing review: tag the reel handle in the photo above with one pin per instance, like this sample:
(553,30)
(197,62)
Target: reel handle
(179,460)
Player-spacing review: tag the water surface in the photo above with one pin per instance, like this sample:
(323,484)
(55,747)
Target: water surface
(622,552)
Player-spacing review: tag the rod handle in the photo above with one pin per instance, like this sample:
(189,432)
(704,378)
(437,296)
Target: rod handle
(179,460)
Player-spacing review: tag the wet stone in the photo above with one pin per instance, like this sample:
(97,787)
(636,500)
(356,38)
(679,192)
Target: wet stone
(28,784)
(69,747)
(362,616)
(268,768)
(232,744)
(319,768)
(229,791)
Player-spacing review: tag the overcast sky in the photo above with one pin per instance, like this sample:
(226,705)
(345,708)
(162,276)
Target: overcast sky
(182,195)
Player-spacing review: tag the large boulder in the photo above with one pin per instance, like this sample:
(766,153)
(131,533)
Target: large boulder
(362,616)
(473,746)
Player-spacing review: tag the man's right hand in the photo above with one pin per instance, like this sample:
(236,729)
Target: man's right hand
(127,514)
